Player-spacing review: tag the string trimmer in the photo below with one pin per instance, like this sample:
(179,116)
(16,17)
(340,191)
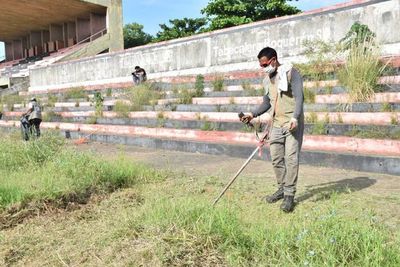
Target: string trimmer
(264,139)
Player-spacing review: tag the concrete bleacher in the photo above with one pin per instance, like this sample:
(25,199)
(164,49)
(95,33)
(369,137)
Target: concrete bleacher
(360,136)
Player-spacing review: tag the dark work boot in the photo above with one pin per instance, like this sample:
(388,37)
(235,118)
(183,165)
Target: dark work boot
(288,204)
(278,195)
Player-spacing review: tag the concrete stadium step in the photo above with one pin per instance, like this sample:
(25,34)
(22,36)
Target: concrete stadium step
(218,121)
(366,154)
(232,82)
(332,83)
(393,97)
(349,118)
(252,100)
(356,107)
(384,88)
(109,106)
(322,143)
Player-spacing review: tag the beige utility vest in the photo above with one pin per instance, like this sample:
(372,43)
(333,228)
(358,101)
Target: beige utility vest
(283,103)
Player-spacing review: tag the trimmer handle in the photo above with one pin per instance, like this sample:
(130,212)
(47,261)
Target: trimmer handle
(241,115)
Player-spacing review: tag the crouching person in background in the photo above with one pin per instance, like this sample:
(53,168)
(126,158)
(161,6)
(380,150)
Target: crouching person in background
(34,116)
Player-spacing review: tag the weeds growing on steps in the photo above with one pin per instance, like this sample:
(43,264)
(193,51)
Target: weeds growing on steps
(361,71)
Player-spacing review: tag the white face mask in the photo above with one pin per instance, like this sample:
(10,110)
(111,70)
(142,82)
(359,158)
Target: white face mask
(270,69)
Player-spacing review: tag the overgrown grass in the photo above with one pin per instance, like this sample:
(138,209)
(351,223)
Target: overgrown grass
(373,133)
(185,96)
(51,116)
(75,93)
(250,90)
(171,222)
(51,100)
(309,95)
(10,100)
(218,83)
(320,56)
(47,169)
(122,109)
(361,72)
(141,95)
(189,231)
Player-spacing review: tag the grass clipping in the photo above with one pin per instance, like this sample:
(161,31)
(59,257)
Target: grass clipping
(362,70)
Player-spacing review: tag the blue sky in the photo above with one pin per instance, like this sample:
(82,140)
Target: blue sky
(151,13)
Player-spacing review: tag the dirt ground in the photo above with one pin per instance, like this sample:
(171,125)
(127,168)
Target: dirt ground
(196,164)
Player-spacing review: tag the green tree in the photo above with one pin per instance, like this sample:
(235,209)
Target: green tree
(180,28)
(227,13)
(135,36)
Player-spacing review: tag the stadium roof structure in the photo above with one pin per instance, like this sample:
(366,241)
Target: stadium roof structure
(19,18)
(33,28)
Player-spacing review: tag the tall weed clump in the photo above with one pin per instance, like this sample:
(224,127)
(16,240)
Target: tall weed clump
(141,95)
(362,70)
(199,86)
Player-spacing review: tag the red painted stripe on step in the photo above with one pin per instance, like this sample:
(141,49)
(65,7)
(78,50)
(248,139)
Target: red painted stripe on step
(340,144)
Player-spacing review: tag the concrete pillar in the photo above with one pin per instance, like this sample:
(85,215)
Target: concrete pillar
(71,33)
(65,34)
(98,23)
(82,29)
(57,36)
(36,41)
(17,49)
(9,51)
(114,25)
(35,38)
(56,32)
(45,41)
(24,47)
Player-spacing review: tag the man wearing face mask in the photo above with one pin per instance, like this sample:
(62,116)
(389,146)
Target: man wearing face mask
(284,100)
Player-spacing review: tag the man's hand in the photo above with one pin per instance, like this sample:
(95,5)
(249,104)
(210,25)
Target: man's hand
(246,118)
(293,124)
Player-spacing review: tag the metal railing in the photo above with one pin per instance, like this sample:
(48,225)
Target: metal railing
(90,38)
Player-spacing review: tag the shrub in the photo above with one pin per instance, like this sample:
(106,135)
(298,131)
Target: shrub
(98,103)
(109,92)
(357,34)
(186,96)
(199,86)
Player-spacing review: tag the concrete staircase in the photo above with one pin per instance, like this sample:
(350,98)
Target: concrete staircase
(358,136)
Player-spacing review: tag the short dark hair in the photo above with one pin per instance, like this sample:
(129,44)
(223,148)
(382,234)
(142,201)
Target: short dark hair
(267,52)
(137,67)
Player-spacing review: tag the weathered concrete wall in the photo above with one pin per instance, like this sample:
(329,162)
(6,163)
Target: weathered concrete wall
(230,49)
